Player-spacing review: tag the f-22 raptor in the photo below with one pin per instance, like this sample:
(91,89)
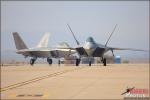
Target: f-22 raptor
(93,49)
(42,50)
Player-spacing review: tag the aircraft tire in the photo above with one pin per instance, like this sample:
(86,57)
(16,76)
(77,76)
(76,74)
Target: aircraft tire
(104,61)
(50,61)
(77,62)
(59,62)
(32,62)
(89,63)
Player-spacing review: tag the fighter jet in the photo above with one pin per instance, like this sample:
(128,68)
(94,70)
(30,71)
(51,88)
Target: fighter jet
(93,49)
(41,50)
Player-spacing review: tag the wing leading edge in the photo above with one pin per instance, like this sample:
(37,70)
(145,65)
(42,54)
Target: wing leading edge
(112,48)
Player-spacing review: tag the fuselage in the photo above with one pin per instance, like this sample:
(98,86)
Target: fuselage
(91,47)
(45,52)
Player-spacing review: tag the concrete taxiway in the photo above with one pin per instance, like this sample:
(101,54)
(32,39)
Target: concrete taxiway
(71,82)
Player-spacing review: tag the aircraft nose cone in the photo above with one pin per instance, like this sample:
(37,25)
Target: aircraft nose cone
(89,46)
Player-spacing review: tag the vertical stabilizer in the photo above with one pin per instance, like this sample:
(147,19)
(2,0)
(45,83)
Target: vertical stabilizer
(111,35)
(19,42)
(44,41)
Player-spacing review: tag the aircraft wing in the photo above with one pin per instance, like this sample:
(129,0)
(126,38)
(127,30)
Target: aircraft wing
(47,52)
(112,48)
(62,52)
(34,52)
(80,50)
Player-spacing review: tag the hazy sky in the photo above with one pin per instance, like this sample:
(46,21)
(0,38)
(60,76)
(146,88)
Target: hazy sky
(87,18)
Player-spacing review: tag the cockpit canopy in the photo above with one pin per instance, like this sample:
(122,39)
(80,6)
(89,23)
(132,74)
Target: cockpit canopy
(63,45)
(90,39)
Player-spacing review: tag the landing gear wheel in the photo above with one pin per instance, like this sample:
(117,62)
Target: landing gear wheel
(59,62)
(104,61)
(89,63)
(77,62)
(49,61)
(32,62)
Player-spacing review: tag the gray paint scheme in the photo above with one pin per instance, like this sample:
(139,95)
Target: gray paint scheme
(41,50)
(93,49)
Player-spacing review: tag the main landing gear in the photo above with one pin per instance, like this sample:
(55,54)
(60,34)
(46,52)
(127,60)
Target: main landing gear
(77,62)
(104,61)
(32,61)
(90,61)
(50,61)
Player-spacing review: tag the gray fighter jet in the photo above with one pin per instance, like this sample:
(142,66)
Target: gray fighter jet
(42,50)
(92,49)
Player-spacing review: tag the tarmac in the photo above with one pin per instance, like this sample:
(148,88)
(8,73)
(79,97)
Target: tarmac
(42,81)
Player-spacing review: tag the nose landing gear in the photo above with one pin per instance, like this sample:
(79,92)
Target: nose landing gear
(104,61)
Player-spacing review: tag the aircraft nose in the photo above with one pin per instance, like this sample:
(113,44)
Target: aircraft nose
(90,46)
